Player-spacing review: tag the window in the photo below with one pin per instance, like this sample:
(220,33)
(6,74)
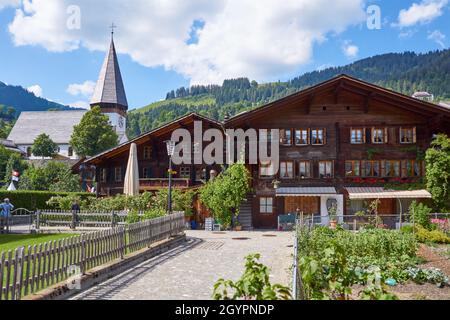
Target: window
(358,136)
(305,169)
(379,135)
(317,137)
(118,174)
(266,170)
(287,170)
(196,148)
(392,168)
(70,152)
(302,137)
(103,175)
(352,168)
(146,173)
(326,169)
(371,168)
(412,168)
(266,205)
(407,135)
(185,172)
(200,174)
(286,137)
(147,153)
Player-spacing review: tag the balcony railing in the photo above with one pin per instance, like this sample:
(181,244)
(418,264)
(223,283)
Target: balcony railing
(164,182)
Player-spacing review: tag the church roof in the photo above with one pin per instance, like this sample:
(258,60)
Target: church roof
(110,88)
(57,124)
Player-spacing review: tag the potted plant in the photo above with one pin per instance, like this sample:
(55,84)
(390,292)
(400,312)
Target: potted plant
(237,226)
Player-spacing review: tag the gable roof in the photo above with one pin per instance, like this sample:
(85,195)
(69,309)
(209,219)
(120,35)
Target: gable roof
(164,129)
(367,89)
(110,88)
(57,124)
(10,145)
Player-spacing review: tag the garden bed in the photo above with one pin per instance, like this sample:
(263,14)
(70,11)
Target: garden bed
(342,265)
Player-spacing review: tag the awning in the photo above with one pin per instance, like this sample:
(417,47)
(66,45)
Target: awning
(306,192)
(381,193)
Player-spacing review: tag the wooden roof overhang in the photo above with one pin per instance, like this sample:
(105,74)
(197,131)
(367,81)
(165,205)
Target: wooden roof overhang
(184,122)
(369,91)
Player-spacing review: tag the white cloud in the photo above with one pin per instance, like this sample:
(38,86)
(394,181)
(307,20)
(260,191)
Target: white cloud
(80,104)
(350,50)
(259,39)
(9,3)
(422,13)
(85,89)
(437,37)
(36,89)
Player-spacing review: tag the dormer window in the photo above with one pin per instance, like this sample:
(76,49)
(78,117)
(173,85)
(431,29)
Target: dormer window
(302,137)
(318,137)
(407,135)
(379,135)
(147,153)
(358,136)
(286,137)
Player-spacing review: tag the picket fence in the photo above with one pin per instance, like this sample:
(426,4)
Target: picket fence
(28,270)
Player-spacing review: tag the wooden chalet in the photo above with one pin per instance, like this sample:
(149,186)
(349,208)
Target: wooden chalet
(110,166)
(343,139)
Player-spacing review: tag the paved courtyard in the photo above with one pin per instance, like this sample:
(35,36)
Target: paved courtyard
(190,271)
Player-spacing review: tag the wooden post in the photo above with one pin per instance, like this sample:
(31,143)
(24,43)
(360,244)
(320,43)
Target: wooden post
(38,220)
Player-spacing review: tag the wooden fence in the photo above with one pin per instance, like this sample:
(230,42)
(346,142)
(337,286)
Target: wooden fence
(28,270)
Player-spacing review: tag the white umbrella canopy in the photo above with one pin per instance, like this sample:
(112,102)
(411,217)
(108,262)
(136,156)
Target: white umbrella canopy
(131,187)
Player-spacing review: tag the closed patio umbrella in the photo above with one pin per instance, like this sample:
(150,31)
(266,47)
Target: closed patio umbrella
(131,187)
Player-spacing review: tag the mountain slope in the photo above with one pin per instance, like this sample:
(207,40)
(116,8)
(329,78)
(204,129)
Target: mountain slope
(402,72)
(22,100)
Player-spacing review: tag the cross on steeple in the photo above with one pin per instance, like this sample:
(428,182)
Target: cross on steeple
(112,27)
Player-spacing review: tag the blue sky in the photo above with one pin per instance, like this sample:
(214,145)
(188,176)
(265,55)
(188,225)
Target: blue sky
(170,45)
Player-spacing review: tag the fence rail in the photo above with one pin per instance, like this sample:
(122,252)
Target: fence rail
(28,270)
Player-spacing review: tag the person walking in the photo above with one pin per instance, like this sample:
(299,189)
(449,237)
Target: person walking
(5,212)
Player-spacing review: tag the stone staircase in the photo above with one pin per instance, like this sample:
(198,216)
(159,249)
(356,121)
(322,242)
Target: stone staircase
(245,215)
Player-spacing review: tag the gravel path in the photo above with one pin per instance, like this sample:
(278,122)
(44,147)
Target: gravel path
(190,271)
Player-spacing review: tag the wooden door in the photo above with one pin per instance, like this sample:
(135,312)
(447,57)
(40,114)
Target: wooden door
(387,207)
(307,205)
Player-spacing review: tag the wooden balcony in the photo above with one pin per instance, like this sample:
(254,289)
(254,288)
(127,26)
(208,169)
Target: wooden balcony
(158,183)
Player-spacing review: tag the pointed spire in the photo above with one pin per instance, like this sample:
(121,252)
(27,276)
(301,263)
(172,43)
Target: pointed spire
(110,89)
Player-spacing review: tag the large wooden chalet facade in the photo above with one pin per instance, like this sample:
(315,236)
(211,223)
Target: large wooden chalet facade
(343,139)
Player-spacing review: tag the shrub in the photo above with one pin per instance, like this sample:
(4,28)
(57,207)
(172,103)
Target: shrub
(35,200)
(436,236)
(253,285)
(420,214)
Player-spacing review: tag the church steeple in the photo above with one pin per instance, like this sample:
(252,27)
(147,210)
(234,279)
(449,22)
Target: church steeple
(110,92)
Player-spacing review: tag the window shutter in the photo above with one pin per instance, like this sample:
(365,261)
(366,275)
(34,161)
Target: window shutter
(325,136)
(404,169)
(386,135)
(365,135)
(414,135)
(383,168)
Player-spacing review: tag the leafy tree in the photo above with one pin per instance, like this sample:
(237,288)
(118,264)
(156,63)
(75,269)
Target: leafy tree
(4,157)
(14,163)
(224,195)
(438,171)
(253,285)
(43,146)
(94,134)
(54,176)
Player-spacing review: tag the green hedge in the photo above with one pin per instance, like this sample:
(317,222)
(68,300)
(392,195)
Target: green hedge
(34,200)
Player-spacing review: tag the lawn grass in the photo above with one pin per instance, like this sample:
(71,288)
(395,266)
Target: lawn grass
(12,241)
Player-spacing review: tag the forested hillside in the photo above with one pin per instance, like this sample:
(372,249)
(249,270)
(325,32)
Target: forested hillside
(403,72)
(23,100)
